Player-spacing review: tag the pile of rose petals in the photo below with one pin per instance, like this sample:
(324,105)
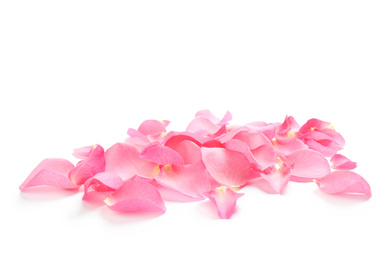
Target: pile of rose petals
(210,159)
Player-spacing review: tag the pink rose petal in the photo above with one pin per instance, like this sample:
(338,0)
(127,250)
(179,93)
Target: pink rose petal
(344,182)
(189,151)
(152,127)
(225,200)
(162,155)
(228,167)
(83,152)
(124,160)
(340,162)
(313,124)
(253,139)
(288,145)
(307,165)
(192,180)
(104,181)
(277,176)
(135,195)
(88,167)
(51,172)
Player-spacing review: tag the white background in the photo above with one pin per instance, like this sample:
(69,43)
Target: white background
(75,73)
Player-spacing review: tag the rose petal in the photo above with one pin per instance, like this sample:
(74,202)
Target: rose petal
(189,151)
(288,145)
(88,167)
(162,155)
(225,199)
(83,152)
(341,162)
(192,180)
(228,167)
(277,177)
(343,182)
(253,139)
(307,165)
(124,160)
(265,156)
(104,181)
(135,195)
(152,127)
(313,124)
(52,172)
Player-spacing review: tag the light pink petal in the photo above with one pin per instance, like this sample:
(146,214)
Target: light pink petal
(313,124)
(253,139)
(135,195)
(207,114)
(268,130)
(231,132)
(227,167)
(88,167)
(202,125)
(264,155)
(82,152)
(225,199)
(162,155)
(189,151)
(341,162)
(336,137)
(240,146)
(343,182)
(152,128)
(124,160)
(138,135)
(325,147)
(277,177)
(52,172)
(192,180)
(307,165)
(288,145)
(104,181)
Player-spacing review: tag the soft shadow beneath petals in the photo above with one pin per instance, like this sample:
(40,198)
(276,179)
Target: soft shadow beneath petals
(46,193)
(342,199)
(116,217)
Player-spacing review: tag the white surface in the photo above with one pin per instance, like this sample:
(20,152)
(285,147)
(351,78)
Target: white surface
(82,72)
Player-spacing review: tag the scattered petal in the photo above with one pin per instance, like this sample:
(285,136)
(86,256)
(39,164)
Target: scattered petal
(340,162)
(104,181)
(51,172)
(135,195)
(162,155)
(344,182)
(225,200)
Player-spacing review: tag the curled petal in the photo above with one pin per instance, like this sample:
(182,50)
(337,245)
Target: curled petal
(51,172)
(162,155)
(288,145)
(215,120)
(124,160)
(83,152)
(189,151)
(104,181)
(227,167)
(225,200)
(192,180)
(307,165)
(87,168)
(135,195)
(202,125)
(253,139)
(340,162)
(343,182)
(152,127)
(313,124)
(277,177)
(265,156)
(288,127)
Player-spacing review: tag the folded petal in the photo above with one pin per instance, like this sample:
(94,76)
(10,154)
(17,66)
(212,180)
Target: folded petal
(343,182)
(265,156)
(288,127)
(253,139)
(225,199)
(313,124)
(189,151)
(135,195)
(124,160)
(83,152)
(207,114)
(192,180)
(104,181)
(162,155)
(307,165)
(88,167)
(340,162)
(202,125)
(51,172)
(227,167)
(152,127)
(277,176)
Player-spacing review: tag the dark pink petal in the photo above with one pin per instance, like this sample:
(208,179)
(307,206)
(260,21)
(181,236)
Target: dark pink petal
(307,165)
(135,195)
(312,125)
(104,181)
(87,168)
(161,155)
(325,147)
(225,199)
(341,162)
(52,172)
(173,138)
(124,160)
(288,145)
(227,167)
(343,182)
(83,152)
(277,176)
(192,180)
(152,127)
